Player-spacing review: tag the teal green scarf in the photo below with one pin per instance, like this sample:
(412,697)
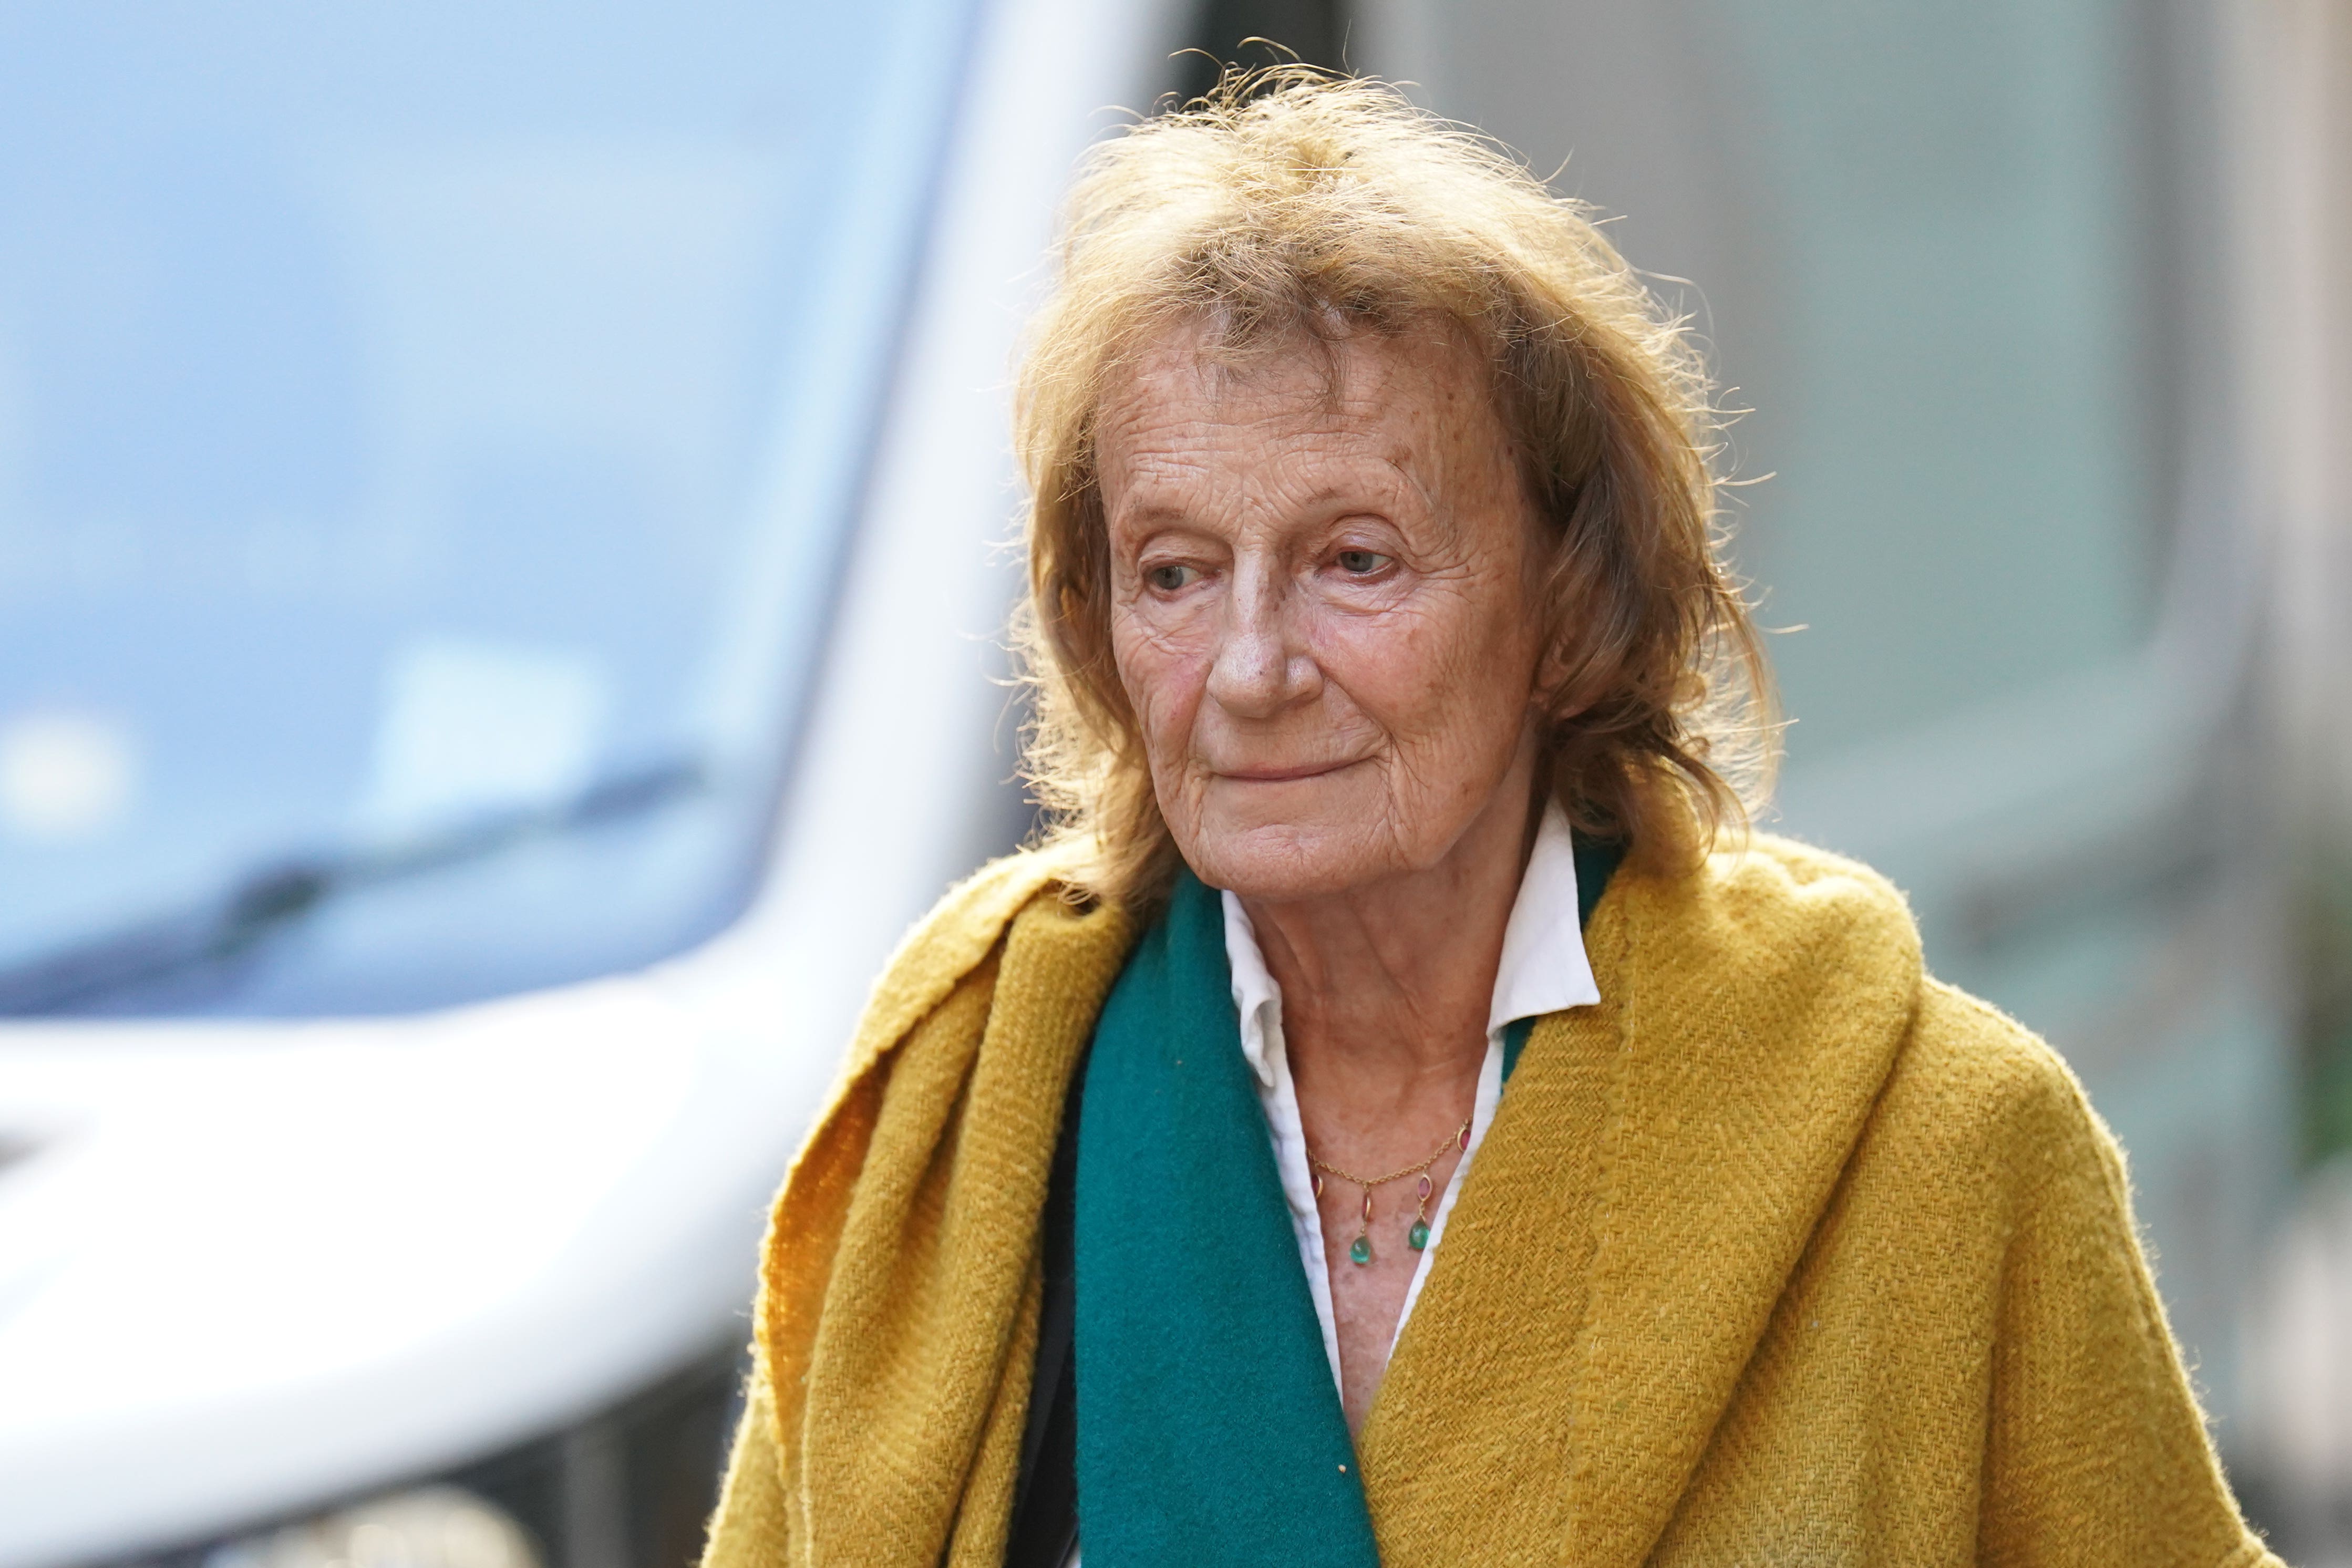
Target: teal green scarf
(1209,1430)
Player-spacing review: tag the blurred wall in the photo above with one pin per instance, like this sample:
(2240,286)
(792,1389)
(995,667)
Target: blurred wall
(2295,69)
(2291,80)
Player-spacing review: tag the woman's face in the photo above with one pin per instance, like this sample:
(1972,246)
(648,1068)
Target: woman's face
(1322,572)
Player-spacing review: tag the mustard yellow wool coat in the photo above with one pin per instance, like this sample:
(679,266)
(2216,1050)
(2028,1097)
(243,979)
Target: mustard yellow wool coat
(1782,1254)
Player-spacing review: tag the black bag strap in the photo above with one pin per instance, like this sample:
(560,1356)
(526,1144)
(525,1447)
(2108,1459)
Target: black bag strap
(1045,1496)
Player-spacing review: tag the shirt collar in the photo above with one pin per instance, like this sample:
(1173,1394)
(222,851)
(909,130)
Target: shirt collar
(1544,969)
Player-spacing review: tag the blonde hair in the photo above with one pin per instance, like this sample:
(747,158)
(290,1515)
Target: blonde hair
(1292,205)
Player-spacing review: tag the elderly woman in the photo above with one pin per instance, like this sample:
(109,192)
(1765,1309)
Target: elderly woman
(1399,1115)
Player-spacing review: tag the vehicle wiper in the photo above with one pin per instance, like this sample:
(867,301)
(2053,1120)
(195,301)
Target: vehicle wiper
(283,892)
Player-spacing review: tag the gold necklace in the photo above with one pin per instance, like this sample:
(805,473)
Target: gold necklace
(1360,1252)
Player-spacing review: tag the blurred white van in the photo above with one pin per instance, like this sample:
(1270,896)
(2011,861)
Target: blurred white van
(498,606)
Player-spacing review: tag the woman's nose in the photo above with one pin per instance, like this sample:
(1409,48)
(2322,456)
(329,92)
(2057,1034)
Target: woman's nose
(1259,669)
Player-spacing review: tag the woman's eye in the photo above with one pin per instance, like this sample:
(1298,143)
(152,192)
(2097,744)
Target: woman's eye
(1361,563)
(1168,579)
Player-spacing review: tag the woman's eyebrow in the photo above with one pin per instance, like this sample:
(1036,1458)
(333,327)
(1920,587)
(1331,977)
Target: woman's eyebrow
(1154,512)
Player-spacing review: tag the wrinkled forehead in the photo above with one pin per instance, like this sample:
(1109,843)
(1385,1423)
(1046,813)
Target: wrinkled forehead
(1324,361)
(1419,397)
(1401,426)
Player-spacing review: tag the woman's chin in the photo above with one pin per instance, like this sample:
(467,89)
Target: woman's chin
(1293,860)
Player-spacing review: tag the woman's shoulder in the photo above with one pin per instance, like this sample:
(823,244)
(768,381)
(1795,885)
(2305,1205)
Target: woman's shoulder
(1967,1066)
(955,938)
(1993,1088)
(969,917)
(1764,875)
(1764,914)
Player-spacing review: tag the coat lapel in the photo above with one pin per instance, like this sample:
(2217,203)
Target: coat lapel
(1663,1158)
(1762,1015)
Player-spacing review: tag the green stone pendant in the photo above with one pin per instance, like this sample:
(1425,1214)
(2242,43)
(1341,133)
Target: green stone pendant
(1418,1236)
(1360,1251)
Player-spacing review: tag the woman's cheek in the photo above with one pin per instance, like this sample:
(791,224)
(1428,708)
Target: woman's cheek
(1390,664)
(1163,680)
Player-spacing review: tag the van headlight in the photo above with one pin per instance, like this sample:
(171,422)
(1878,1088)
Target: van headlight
(427,1527)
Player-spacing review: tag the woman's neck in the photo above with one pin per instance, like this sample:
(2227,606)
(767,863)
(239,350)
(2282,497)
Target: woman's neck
(1385,994)
(1386,988)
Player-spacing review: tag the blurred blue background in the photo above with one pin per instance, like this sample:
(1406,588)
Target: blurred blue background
(396,406)
(457,465)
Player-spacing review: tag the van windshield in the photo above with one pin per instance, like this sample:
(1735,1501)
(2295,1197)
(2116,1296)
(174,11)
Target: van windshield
(427,433)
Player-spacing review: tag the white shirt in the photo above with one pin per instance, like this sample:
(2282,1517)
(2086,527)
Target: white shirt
(1544,970)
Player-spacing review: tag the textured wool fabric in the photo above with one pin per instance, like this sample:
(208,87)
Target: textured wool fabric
(1209,1430)
(896,1316)
(1781,1254)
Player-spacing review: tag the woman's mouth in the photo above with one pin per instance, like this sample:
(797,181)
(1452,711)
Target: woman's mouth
(1281,776)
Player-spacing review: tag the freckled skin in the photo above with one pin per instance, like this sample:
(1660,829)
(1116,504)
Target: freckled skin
(1323,579)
